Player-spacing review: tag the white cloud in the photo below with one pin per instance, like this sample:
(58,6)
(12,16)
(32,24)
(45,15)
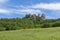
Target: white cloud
(49,6)
(31,11)
(5,11)
(3,1)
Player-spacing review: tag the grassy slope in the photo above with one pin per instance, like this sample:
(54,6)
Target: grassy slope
(31,34)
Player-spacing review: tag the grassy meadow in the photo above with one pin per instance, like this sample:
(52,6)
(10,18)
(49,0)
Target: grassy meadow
(31,34)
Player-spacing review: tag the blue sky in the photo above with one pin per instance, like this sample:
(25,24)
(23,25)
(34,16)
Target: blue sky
(19,8)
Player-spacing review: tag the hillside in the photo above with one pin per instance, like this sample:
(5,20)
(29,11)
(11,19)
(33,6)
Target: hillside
(29,21)
(31,34)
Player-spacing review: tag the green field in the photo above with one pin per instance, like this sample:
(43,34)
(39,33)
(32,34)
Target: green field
(31,34)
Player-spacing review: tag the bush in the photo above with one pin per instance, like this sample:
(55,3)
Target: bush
(56,24)
(46,25)
(2,28)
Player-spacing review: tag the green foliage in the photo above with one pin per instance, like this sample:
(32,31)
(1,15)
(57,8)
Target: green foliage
(57,23)
(2,29)
(27,22)
(46,25)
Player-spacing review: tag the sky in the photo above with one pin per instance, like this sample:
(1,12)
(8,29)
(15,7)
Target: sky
(19,8)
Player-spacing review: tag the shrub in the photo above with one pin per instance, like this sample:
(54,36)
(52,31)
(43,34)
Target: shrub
(56,24)
(2,28)
(46,25)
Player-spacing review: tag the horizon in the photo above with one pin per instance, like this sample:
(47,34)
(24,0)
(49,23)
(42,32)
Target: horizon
(19,8)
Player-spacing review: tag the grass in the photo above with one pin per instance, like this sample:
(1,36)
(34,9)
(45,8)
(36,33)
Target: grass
(31,34)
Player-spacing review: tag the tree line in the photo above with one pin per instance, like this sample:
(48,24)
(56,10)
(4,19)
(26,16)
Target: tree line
(29,21)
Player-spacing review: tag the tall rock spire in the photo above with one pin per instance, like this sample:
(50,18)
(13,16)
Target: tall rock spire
(43,17)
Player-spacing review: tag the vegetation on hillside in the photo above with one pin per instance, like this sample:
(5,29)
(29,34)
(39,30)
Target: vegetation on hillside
(29,21)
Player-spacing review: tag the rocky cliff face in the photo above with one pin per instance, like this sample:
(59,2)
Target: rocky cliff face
(43,17)
(35,17)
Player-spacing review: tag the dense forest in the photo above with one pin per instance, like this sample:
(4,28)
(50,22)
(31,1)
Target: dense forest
(29,21)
